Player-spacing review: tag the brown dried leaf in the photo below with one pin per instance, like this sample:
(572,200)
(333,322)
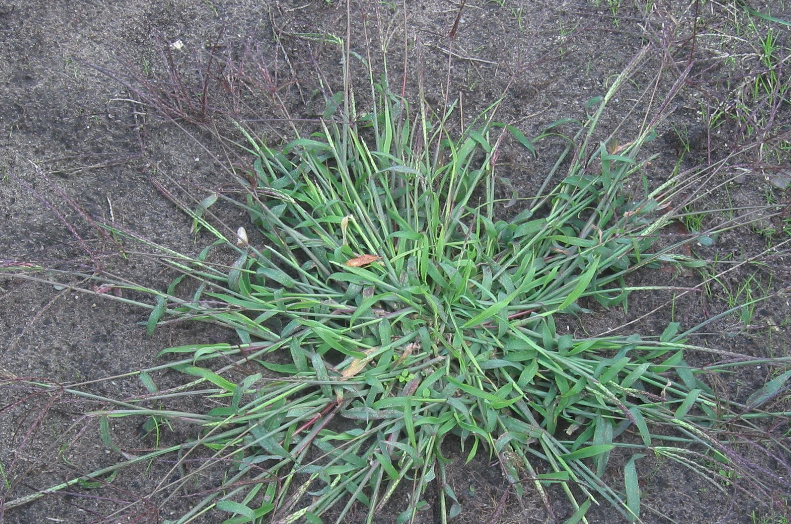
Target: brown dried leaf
(362,260)
(358,364)
(407,351)
(614,148)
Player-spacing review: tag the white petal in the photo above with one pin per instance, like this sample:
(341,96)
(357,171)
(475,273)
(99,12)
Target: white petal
(241,235)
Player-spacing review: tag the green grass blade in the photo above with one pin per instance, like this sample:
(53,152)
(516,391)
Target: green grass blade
(581,286)
(632,487)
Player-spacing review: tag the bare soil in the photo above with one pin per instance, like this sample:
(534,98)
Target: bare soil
(78,149)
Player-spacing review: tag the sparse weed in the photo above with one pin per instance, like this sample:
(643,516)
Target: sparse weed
(748,294)
(72,67)
(741,298)
(758,518)
(6,480)
(693,221)
(565,33)
(517,13)
(614,7)
(211,6)
(759,87)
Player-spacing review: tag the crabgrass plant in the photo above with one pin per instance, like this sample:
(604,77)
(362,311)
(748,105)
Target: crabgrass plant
(389,310)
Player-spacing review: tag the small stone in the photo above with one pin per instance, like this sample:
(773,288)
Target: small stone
(780,180)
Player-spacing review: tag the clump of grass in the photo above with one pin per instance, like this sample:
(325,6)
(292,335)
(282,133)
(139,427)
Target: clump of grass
(383,308)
